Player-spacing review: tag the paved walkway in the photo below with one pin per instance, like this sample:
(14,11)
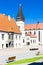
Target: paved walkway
(20,53)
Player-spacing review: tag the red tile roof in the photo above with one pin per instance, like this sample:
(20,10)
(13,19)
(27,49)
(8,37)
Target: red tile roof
(8,26)
(33,26)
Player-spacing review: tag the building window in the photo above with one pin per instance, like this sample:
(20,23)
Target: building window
(12,36)
(39,35)
(19,37)
(34,32)
(16,44)
(19,26)
(12,44)
(9,36)
(16,36)
(35,41)
(31,41)
(23,40)
(2,45)
(25,32)
(2,36)
(19,44)
(30,32)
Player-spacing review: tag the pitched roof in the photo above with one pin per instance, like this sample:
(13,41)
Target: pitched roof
(33,26)
(8,26)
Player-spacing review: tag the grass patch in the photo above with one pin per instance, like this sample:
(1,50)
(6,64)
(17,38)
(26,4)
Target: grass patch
(25,60)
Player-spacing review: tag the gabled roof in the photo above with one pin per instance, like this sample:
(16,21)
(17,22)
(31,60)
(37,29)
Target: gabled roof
(8,26)
(33,26)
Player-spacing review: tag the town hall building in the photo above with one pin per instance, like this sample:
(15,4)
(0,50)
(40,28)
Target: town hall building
(32,34)
(16,34)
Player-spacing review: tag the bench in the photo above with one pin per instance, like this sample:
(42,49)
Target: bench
(34,49)
(11,59)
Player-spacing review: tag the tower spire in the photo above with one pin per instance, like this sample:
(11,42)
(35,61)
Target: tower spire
(20,16)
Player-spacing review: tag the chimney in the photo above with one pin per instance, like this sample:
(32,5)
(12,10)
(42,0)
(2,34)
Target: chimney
(9,17)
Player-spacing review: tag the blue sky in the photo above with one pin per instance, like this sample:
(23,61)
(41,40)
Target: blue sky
(32,9)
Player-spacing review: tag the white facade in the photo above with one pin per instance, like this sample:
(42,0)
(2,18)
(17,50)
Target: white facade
(17,41)
(27,40)
(6,42)
(20,24)
(39,37)
(41,42)
(3,41)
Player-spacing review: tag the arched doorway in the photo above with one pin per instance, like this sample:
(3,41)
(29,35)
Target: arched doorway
(6,45)
(10,44)
(28,43)
(2,45)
